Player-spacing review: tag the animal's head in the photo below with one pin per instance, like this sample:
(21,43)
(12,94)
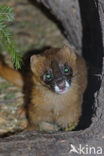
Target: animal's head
(54,69)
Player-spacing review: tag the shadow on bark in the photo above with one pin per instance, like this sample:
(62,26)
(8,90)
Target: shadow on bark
(93,53)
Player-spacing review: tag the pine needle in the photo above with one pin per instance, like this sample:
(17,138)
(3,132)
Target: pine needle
(6,36)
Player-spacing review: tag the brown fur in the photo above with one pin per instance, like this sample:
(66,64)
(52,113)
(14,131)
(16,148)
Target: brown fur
(11,75)
(45,105)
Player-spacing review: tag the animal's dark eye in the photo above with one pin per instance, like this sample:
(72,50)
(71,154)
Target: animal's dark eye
(66,70)
(48,76)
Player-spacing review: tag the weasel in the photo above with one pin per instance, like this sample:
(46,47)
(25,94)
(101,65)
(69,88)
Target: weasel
(53,88)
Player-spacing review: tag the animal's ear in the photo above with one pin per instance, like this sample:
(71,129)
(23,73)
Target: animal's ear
(33,60)
(68,51)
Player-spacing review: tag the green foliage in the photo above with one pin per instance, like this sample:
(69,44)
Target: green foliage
(6,36)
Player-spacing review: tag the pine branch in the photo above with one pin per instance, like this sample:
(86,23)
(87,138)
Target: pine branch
(6,36)
(6,14)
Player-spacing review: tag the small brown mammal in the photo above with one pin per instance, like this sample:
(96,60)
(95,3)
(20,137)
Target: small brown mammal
(59,79)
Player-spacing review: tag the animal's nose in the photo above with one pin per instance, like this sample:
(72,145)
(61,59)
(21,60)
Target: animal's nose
(61,84)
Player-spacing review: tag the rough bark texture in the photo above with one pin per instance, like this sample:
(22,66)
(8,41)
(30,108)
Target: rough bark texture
(67,11)
(91,41)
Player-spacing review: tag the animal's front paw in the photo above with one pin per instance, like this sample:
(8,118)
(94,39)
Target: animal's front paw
(48,127)
(71,126)
(67,124)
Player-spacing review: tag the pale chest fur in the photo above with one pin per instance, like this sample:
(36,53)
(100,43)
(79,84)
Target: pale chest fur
(50,101)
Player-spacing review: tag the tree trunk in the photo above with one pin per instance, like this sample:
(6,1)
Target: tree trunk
(89,40)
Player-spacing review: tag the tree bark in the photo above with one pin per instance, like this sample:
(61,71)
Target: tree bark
(68,13)
(74,15)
